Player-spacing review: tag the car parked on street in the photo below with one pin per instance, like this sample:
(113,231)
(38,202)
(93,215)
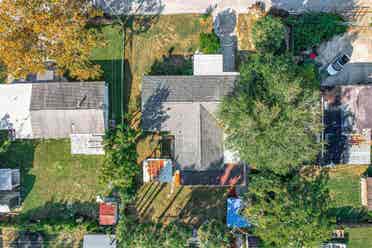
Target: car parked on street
(338,64)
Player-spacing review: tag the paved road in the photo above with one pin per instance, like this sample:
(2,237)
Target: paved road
(166,7)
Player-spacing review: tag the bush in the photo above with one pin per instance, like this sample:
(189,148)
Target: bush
(310,29)
(209,43)
(268,34)
(213,234)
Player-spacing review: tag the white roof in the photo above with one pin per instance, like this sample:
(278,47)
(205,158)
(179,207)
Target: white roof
(15,109)
(87,144)
(99,241)
(208,64)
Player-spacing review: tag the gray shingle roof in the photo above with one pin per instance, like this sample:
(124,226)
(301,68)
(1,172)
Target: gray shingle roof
(67,95)
(188,88)
(185,106)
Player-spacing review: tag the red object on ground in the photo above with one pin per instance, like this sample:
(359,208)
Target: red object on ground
(232,193)
(313,55)
(108,213)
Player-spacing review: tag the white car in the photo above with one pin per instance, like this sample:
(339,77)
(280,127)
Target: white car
(338,64)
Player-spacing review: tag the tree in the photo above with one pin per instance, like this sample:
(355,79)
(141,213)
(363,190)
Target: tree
(120,168)
(33,31)
(268,34)
(150,235)
(289,211)
(273,116)
(312,28)
(209,43)
(214,234)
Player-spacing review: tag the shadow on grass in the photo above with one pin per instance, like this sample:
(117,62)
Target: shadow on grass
(20,154)
(172,64)
(119,85)
(204,203)
(348,214)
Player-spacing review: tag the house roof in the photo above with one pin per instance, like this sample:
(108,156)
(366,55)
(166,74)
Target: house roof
(186,106)
(108,213)
(186,88)
(67,95)
(53,109)
(99,241)
(228,175)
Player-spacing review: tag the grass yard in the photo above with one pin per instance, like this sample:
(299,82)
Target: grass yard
(344,186)
(109,58)
(359,237)
(175,35)
(190,205)
(52,177)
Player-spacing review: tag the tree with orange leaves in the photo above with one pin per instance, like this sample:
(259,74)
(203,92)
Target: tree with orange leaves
(35,31)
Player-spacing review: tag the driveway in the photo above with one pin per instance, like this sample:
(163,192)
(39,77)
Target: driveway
(359,47)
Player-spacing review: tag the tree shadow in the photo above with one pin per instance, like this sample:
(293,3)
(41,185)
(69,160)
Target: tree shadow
(53,212)
(119,85)
(204,203)
(172,64)
(20,154)
(153,113)
(348,214)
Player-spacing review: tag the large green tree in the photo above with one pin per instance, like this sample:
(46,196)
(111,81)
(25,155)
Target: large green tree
(150,235)
(268,34)
(273,116)
(120,169)
(214,234)
(289,211)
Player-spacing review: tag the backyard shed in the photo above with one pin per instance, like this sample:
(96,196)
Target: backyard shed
(9,200)
(99,241)
(366,192)
(9,179)
(108,213)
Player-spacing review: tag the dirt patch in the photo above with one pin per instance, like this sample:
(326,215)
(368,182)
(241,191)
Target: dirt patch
(244,31)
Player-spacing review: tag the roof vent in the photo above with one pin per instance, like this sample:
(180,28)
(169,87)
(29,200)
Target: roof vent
(81,101)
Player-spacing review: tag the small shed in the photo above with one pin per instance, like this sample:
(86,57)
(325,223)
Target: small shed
(9,179)
(366,191)
(233,217)
(158,169)
(108,213)
(99,241)
(8,201)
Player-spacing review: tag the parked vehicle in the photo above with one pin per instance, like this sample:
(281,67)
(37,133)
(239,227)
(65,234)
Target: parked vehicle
(338,64)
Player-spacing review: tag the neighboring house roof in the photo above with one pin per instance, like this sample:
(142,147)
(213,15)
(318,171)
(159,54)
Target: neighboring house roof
(347,121)
(233,215)
(108,213)
(53,109)
(9,179)
(67,95)
(99,241)
(186,106)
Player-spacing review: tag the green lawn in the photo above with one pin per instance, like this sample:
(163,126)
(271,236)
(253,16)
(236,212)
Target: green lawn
(190,205)
(344,186)
(359,237)
(109,57)
(52,177)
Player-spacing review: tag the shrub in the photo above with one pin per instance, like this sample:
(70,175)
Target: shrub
(310,29)
(213,234)
(209,43)
(268,34)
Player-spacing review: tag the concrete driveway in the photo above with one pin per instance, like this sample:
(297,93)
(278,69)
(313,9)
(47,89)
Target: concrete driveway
(358,45)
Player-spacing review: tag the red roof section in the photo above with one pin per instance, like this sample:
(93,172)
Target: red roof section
(107,213)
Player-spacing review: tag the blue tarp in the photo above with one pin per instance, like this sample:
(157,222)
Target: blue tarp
(233,218)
